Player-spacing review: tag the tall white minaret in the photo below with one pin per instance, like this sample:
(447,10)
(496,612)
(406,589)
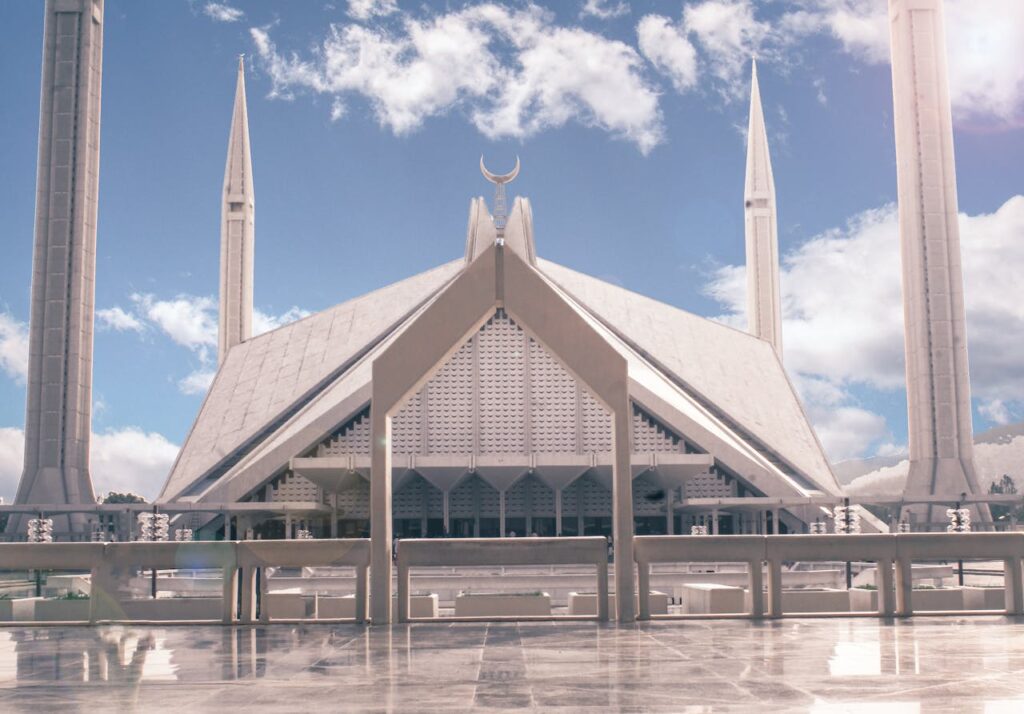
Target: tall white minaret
(59,404)
(764,313)
(938,386)
(237,228)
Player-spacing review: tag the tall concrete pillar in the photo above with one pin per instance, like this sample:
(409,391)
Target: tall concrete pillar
(59,404)
(938,387)
(764,312)
(237,230)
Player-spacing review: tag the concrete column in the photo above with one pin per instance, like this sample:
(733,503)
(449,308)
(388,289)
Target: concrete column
(334,515)
(444,513)
(775,522)
(501,513)
(714,522)
(381,513)
(287,526)
(558,511)
(764,522)
(622,510)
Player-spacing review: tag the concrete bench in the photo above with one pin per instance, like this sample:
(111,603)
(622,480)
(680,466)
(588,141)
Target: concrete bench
(586,603)
(503,605)
(712,599)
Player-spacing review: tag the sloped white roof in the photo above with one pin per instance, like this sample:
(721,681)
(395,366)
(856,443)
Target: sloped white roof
(736,374)
(265,378)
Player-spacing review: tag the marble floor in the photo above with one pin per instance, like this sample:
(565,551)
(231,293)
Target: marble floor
(811,665)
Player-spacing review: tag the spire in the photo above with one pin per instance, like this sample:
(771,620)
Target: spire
(237,227)
(763,302)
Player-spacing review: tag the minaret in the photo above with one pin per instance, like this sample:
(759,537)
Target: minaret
(59,404)
(764,314)
(938,387)
(237,225)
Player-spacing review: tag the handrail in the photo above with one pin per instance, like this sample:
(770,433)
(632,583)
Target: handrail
(503,551)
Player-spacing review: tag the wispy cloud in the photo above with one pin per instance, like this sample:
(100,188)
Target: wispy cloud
(368,9)
(114,318)
(604,9)
(222,12)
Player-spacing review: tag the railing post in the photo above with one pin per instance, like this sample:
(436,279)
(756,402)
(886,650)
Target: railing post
(1014,588)
(602,591)
(904,587)
(229,593)
(248,584)
(884,585)
(362,578)
(775,587)
(756,582)
(403,587)
(644,590)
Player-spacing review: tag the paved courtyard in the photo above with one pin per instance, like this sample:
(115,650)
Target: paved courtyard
(817,665)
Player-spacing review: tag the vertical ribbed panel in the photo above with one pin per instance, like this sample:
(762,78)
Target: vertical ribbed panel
(296,488)
(352,438)
(553,411)
(502,383)
(597,500)
(449,405)
(710,486)
(407,427)
(648,497)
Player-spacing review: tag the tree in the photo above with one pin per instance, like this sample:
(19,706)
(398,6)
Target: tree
(114,497)
(1003,512)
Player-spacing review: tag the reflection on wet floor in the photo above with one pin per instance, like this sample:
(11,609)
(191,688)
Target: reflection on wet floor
(819,665)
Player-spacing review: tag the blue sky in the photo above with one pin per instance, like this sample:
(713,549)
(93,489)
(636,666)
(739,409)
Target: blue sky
(364,171)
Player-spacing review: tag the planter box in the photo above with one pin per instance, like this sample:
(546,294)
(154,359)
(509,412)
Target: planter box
(20,609)
(61,610)
(712,599)
(502,605)
(984,598)
(173,608)
(332,607)
(938,599)
(586,604)
(285,606)
(815,600)
(863,600)
(421,605)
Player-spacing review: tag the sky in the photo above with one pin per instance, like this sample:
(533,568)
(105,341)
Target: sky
(367,121)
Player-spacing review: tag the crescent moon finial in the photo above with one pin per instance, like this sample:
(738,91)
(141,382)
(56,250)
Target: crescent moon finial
(499,179)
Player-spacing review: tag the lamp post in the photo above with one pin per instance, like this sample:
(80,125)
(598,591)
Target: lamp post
(153,527)
(959,522)
(847,522)
(40,530)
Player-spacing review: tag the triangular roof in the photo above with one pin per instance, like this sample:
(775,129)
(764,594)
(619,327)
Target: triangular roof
(267,379)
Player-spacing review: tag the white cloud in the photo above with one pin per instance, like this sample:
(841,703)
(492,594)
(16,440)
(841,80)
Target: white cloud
(668,50)
(367,9)
(996,411)
(843,313)
(13,347)
(604,9)
(126,459)
(189,320)
(115,318)
(986,76)
(222,12)
(197,382)
(263,322)
(547,75)
(729,35)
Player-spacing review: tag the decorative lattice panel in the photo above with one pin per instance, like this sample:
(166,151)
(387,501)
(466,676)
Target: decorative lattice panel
(710,486)
(597,500)
(450,412)
(596,422)
(501,364)
(407,501)
(407,426)
(648,497)
(649,436)
(531,496)
(352,438)
(553,407)
(295,488)
(355,502)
